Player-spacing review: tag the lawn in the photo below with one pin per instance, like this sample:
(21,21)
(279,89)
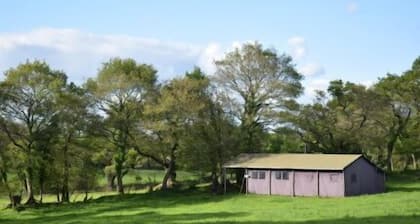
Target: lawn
(401,204)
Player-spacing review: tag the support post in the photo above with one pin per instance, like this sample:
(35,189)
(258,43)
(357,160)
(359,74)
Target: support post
(269,182)
(293,184)
(246,182)
(317,174)
(224,180)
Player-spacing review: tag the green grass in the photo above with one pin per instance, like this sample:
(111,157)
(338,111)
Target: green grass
(147,176)
(400,205)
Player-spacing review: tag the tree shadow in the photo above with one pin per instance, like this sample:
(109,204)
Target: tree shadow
(157,199)
(402,189)
(204,218)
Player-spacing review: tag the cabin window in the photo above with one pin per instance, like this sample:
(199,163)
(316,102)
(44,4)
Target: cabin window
(353,178)
(254,175)
(285,175)
(278,175)
(282,175)
(334,177)
(262,175)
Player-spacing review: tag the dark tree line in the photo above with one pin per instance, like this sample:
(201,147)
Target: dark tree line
(56,137)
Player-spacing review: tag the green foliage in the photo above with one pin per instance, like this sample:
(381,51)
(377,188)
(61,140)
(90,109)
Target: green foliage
(258,84)
(121,90)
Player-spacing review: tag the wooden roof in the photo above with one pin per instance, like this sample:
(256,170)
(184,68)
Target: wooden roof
(293,161)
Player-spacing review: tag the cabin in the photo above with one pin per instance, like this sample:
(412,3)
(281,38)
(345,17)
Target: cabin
(323,175)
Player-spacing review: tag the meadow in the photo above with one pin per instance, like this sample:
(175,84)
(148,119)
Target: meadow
(400,204)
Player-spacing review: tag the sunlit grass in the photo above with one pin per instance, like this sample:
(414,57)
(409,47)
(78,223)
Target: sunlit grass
(400,205)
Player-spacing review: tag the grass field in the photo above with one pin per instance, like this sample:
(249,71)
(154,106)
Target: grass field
(401,204)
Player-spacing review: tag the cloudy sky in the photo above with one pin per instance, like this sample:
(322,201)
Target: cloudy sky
(357,41)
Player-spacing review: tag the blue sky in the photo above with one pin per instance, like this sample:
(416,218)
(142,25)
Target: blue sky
(351,40)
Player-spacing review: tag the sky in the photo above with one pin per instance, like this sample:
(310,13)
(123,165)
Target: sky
(356,41)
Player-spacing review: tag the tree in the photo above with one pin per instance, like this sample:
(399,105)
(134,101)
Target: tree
(29,93)
(121,90)
(174,111)
(258,83)
(5,165)
(337,123)
(397,113)
(401,97)
(75,121)
(213,138)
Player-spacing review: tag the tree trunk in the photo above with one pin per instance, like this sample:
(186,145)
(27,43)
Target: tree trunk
(6,185)
(413,158)
(57,194)
(86,196)
(214,182)
(389,164)
(390,149)
(41,194)
(29,186)
(111,182)
(120,186)
(41,185)
(239,175)
(65,195)
(119,171)
(170,174)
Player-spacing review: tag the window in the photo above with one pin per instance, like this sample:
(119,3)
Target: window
(278,175)
(285,175)
(262,175)
(254,175)
(353,178)
(282,175)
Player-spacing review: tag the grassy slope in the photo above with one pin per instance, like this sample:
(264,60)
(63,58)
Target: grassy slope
(400,205)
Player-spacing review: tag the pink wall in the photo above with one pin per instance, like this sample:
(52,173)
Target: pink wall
(259,186)
(281,187)
(368,179)
(331,184)
(306,183)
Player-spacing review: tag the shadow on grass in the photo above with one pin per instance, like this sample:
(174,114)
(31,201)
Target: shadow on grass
(402,189)
(204,218)
(130,202)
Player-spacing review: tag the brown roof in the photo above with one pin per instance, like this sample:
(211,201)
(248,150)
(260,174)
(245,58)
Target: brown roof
(293,161)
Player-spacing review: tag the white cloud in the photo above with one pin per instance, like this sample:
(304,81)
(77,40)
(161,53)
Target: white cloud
(81,53)
(215,51)
(212,52)
(311,69)
(297,47)
(316,84)
(352,7)
(367,83)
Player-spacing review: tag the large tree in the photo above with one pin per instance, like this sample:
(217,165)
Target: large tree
(75,119)
(121,90)
(335,123)
(400,107)
(175,110)
(29,94)
(258,83)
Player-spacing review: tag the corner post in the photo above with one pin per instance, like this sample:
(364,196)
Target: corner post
(246,182)
(293,183)
(224,180)
(317,174)
(269,182)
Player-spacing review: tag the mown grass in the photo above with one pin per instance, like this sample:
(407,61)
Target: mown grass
(400,205)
